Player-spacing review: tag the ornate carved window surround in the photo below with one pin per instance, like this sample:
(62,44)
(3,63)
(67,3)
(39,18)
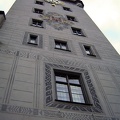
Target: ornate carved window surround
(50,90)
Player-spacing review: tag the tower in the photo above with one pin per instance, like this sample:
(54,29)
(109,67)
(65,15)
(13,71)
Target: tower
(56,64)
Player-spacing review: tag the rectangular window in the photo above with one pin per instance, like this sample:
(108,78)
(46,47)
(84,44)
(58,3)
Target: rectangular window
(89,51)
(33,39)
(71,18)
(70,87)
(39,2)
(62,45)
(38,11)
(77,31)
(67,9)
(37,23)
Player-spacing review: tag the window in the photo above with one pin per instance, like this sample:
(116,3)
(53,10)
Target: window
(89,51)
(70,87)
(62,45)
(32,39)
(67,9)
(77,31)
(71,18)
(37,23)
(39,2)
(39,11)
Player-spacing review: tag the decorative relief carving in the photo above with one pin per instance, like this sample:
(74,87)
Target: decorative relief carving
(56,20)
(99,67)
(49,96)
(52,114)
(7,51)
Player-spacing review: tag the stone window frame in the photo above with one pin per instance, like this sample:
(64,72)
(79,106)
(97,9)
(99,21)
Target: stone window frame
(39,42)
(67,9)
(70,50)
(39,1)
(93,49)
(49,90)
(33,10)
(75,19)
(64,42)
(31,21)
(82,31)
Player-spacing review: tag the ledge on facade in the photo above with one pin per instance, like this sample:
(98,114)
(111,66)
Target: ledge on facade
(2,18)
(77,2)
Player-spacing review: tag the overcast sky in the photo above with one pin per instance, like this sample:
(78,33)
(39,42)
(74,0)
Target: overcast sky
(105,13)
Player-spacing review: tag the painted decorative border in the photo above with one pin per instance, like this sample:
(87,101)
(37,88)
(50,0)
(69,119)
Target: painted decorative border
(49,95)
(50,113)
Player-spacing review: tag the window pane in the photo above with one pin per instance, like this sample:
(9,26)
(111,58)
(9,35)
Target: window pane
(76,89)
(62,87)
(63,46)
(60,78)
(78,98)
(33,41)
(63,96)
(73,79)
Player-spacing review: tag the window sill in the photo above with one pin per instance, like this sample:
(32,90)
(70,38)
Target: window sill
(63,49)
(67,102)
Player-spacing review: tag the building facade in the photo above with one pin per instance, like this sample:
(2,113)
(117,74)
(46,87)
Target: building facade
(55,63)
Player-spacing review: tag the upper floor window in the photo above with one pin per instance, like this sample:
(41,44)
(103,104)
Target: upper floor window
(62,45)
(39,2)
(70,87)
(32,39)
(39,11)
(77,31)
(71,18)
(37,23)
(67,9)
(89,51)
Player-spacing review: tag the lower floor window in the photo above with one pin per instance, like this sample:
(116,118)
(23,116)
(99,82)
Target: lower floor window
(70,87)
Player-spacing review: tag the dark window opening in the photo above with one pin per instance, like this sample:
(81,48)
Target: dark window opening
(33,39)
(89,51)
(61,45)
(39,2)
(71,18)
(70,87)
(67,9)
(37,23)
(77,31)
(39,11)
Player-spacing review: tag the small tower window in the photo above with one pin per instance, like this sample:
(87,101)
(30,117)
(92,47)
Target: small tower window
(33,39)
(67,9)
(39,2)
(61,45)
(77,31)
(89,51)
(38,11)
(71,18)
(37,23)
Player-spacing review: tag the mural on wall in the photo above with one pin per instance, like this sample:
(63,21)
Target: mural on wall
(54,2)
(56,20)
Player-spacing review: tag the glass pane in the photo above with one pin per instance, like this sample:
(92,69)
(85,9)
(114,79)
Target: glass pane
(88,52)
(78,98)
(76,89)
(73,79)
(57,45)
(60,78)
(63,46)
(33,41)
(63,96)
(62,87)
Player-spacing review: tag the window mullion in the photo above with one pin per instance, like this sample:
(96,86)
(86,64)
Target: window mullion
(70,93)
